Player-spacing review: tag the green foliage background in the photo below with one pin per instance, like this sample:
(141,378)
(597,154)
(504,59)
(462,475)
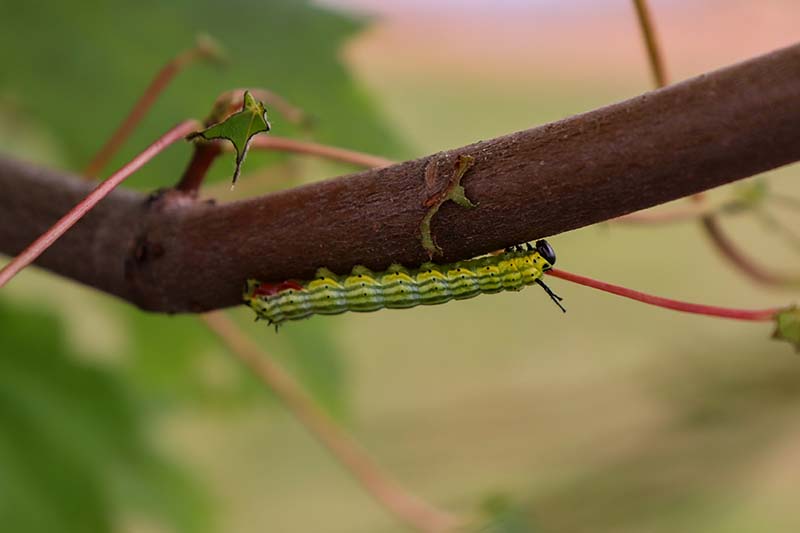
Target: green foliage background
(613,418)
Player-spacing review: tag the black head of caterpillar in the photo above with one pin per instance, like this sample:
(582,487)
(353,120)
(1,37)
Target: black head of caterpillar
(398,287)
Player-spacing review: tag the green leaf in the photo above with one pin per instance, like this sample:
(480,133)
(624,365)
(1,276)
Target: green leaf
(239,129)
(787,327)
(73,450)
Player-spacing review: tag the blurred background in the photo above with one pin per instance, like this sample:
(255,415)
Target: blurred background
(614,417)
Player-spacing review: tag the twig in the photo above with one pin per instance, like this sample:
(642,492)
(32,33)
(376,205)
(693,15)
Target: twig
(651,43)
(164,76)
(385,490)
(677,214)
(203,156)
(320,150)
(744,264)
(760,315)
(74,215)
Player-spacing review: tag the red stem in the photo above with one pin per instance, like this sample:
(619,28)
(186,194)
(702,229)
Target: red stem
(41,244)
(344,155)
(758,315)
(204,155)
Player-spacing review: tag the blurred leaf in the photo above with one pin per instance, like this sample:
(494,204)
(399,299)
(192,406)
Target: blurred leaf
(503,516)
(70,433)
(787,327)
(287,46)
(239,129)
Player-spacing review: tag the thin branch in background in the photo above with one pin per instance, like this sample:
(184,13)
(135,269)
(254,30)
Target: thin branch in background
(385,490)
(758,315)
(786,201)
(333,153)
(205,48)
(654,54)
(746,265)
(75,214)
(776,225)
(677,214)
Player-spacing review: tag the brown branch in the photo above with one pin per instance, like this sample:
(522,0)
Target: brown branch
(386,491)
(178,256)
(74,215)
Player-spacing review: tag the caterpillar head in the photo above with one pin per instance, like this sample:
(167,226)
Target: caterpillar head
(547,253)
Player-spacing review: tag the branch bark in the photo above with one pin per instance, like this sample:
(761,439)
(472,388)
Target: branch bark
(171,254)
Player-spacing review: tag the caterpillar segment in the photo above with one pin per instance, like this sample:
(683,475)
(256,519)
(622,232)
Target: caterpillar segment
(399,288)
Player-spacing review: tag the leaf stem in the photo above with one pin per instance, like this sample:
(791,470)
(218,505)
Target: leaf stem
(41,244)
(203,156)
(759,315)
(320,150)
(385,490)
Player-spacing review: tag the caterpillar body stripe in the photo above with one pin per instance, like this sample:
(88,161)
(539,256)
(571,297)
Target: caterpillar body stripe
(398,287)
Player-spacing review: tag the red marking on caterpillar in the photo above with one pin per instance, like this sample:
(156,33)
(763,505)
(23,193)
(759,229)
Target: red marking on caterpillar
(271,289)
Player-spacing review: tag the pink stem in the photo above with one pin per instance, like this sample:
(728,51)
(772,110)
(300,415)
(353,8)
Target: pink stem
(320,150)
(75,214)
(758,315)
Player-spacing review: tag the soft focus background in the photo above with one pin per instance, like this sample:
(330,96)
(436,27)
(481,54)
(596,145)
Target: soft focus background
(614,417)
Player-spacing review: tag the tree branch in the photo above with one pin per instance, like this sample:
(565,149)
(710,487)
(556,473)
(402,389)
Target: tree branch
(169,254)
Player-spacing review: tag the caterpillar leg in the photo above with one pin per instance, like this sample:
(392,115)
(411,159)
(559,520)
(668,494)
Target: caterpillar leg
(553,296)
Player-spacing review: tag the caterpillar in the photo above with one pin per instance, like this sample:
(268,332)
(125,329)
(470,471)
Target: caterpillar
(398,288)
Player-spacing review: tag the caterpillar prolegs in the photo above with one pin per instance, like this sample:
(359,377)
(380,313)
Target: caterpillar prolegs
(398,288)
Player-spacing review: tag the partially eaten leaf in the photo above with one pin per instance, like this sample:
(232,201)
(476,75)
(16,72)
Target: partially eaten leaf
(787,327)
(452,190)
(239,129)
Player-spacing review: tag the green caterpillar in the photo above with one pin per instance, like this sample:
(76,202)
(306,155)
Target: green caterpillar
(398,288)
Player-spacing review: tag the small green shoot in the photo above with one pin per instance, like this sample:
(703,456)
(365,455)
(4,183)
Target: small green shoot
(239,129)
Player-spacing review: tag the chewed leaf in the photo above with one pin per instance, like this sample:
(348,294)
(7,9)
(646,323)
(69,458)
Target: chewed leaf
(787,327)
(239,129)
(452,190)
